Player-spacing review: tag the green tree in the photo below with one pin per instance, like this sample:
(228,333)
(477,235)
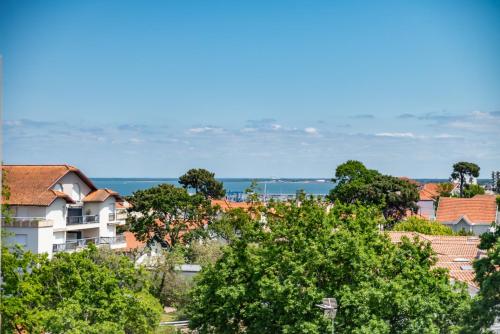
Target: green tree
(463,171)
(472,190)
(168,215)
(424,226)
(356,183)
(486,306)
(269,279)
(203,182)
(90,291)
(445,189)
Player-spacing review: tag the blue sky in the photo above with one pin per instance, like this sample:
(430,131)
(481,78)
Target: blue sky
(251,89)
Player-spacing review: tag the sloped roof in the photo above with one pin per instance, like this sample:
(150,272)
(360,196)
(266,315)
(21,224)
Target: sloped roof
(429,192)
(480,209)
(31,184)
(455,253)
(227,205)
(100,195)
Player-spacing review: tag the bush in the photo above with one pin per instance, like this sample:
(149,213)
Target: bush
(424,226)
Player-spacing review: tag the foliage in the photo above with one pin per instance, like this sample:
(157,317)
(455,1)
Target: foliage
(204,253)
(498,202)
(5,210)
(168,215)
(463,170)
(486,306)
(445,189)
(424,226)
(472,190)
(90,291)
(203,182)
(169,286)
(270,278)
(356,183)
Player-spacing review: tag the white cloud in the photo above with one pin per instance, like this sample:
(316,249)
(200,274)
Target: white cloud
(205,129)
(276,126)
(312,131)
(396,134)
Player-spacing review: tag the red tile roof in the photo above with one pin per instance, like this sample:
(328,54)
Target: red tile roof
(480,209)
(100,195)
(455,253)
(31,184)
(227,205)
(429,192)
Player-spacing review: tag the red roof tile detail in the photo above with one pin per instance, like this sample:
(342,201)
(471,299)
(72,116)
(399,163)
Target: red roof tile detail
(481,209)
(455,253)
(100,195)
(31,184)
(429,192)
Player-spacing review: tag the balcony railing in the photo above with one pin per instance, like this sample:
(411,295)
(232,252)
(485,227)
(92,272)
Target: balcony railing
(75,220)
(72,245)
(119,239)
(22,219)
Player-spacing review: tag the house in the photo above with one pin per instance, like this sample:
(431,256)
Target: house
(428,194)
(57,208)
(474,214)
(455,253)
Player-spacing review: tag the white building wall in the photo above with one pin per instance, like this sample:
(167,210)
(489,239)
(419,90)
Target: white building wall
(38,240)
(68,185)
(426,209)
(57,213)
(28,211)
(106,208)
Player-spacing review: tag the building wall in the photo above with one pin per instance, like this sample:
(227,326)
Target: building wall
(476,229)
(426,209)
(57,213)
(105,208)
(38,240)
(27,211)
(68,185)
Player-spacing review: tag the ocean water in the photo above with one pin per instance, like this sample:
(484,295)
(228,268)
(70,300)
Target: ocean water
(316,186)
(126,186)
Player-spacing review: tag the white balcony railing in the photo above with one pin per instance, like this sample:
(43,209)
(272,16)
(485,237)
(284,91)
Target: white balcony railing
(22,219)
(75,220)
(76,244)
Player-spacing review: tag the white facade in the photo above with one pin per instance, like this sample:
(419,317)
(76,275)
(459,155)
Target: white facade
(66,227)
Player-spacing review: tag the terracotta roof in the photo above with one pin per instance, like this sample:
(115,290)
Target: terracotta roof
(455,253)
(480,209)
(227,205)
(429,192)
(132,242)
(100,195)
(31,184)
(123,205)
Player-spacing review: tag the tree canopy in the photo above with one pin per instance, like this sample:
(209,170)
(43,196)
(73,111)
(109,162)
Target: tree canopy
(90,291)
(463,170)
(486,306)
(472,190)
(356,183)
(424,226)
(203,182)
(168,214)
(270,278)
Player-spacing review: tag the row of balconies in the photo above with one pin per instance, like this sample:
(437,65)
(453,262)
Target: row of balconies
(76,244)
(113,218)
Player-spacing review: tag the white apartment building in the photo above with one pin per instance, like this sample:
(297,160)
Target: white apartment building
(57,208)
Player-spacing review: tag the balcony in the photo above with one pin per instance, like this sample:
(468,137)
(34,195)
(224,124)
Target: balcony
(77,244)
(78,220)
(118,217)
(26,222)
(72,245)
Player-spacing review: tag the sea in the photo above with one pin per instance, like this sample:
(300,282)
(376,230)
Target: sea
(234,186)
